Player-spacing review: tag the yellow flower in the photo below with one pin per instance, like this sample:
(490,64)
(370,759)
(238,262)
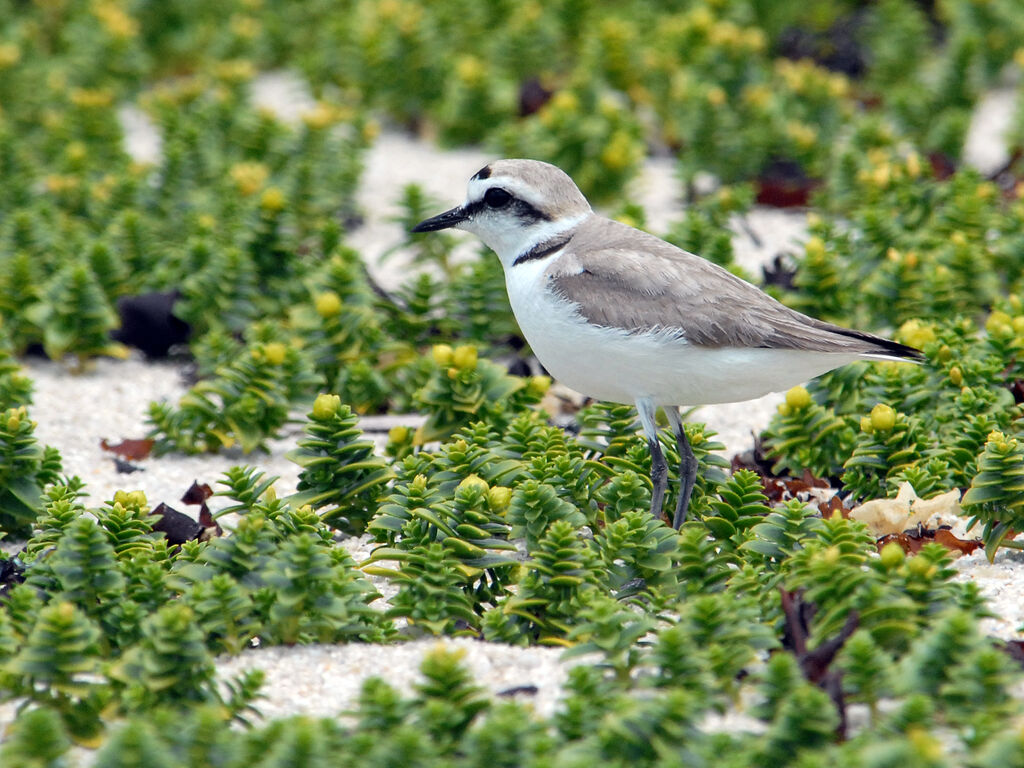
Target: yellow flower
(272,200)
(115,20)
(320,117)
(815,248)
(235,70)
(371,130)
(564,101)
(474,480)
(758,96)
(325,406)
(619,153)
(249,177)
(802,134)
(91,98)
(465,357)
(883,417)
(470,70)
(913,165)
(10,54)
(245,26)
(798,398)
(916,334)
(892,556)
(442,354)
(498,498)
(716,96)
(701,18)
(328,304)
(275,352)
(57,183)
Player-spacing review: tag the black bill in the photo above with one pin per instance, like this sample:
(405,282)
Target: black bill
(442,220)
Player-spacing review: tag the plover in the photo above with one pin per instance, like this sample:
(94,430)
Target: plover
(621,315)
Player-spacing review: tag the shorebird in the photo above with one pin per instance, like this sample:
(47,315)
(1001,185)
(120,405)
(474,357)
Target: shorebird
(621,315)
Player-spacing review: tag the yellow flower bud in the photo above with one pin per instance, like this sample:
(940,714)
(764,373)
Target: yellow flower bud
(325,406)
(865,424)
(465,357)
(249,178)
(398,434)
(798,397)
(998,323)
(538,385)
(892,556)
(442,354)
(275,352)
(883,417)
(498,498)
(474,480)
(328,304)
(10,55)
(956,376)
(913,165)
(272,200)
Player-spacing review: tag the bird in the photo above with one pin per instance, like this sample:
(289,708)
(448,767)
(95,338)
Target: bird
(621,315)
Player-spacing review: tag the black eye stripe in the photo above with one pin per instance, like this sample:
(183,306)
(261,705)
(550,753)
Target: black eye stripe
(526,212)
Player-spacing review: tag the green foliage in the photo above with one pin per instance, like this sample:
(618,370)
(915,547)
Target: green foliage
(808,437)
(26,467)
(57,666)
(550,592)
(244,214)
(246,402)
(432,591)
(340,469)
(535,507)
(997,492)
(887,444)
(75,315)
(37,739)
(462,388)
(741,505)
(317,597)
(588,131)
(868,673)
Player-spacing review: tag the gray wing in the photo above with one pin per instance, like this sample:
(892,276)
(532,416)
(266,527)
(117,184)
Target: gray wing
(620,277)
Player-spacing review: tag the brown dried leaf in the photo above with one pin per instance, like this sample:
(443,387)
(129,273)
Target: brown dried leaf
(833,505)
(197,494)
(133,450)
(912,540)
(945,537)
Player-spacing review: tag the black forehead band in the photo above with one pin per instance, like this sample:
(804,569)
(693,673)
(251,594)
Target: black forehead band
(483,173)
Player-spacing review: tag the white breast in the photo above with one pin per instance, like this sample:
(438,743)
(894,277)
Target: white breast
(610,364)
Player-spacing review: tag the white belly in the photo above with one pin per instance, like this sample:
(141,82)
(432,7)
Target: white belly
(610,364)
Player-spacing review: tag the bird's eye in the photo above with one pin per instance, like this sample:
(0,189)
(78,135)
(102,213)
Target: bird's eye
(496,197)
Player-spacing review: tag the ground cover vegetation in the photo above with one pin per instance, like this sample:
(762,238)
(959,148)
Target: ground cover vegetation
(491,521)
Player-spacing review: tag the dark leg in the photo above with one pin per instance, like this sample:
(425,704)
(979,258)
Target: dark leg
(687,467)
(659,467)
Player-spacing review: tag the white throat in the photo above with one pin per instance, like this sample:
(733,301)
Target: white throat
(513,240)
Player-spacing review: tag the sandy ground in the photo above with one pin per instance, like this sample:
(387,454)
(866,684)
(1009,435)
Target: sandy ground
(75,412)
